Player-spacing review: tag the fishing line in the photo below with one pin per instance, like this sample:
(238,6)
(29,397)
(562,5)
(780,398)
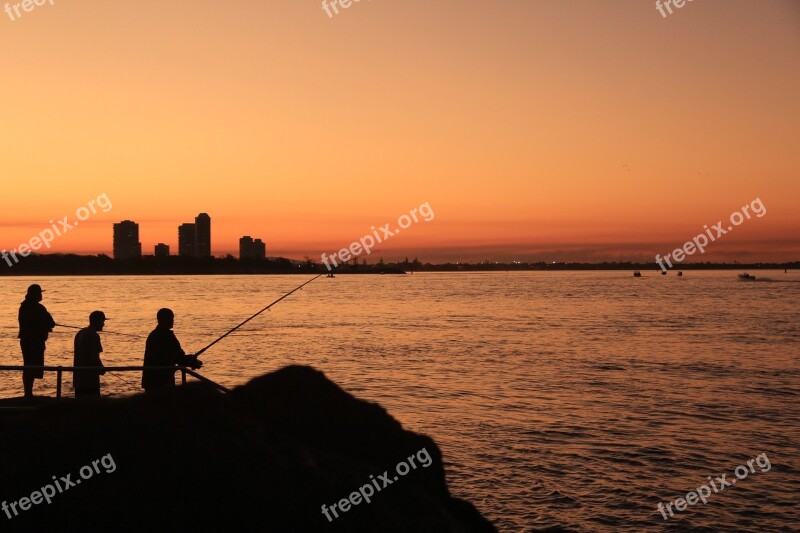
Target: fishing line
(121,378)
(104,331)
(255,315)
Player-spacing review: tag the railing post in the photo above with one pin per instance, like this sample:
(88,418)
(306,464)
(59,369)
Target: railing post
(58,384)
(183,376)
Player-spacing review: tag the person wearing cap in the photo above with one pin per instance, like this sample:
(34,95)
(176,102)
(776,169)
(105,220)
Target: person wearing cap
(35,325)
(163,349)
(87,353)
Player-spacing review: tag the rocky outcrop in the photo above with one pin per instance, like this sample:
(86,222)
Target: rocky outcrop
(265,457)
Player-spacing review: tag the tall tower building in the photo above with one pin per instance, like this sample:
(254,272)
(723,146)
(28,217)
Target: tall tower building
(245,245)
(126,240)
(186,240)
(202,243)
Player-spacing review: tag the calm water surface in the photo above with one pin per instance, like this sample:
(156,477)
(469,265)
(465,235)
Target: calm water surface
(579,399)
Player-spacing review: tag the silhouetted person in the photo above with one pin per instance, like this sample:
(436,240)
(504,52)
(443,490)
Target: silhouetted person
(163,349)
(35,325)
(87,353)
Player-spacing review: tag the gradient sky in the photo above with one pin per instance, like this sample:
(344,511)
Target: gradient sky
(537,130)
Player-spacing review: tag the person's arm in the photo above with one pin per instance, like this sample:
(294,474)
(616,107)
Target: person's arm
(177,355)
(46,319)
(181,359)
(24,320)
(76,345)
(192,362)
(150,349)
(98,351)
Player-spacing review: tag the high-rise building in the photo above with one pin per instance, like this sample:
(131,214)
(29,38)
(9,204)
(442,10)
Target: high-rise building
(202,243)
(252,248)
(260,249)
(186,240)
(162,250)
(126,240)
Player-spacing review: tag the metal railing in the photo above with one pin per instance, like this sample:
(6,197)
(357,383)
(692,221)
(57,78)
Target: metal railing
(59,370)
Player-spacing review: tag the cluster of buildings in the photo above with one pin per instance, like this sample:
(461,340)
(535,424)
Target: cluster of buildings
(194,240)
(249,248)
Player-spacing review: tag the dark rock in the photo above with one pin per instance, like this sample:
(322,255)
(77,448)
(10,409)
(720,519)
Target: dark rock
(265,457)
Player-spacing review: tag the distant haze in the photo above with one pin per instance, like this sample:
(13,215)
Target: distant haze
(550,130)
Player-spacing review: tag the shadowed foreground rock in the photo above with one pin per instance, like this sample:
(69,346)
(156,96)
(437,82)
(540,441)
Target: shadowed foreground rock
(263,458)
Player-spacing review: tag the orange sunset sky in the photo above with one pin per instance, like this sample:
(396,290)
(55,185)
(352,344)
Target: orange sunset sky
(554,130)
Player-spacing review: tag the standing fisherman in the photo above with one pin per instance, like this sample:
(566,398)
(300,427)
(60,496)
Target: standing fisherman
(87,353)
(164,349)
(35,324)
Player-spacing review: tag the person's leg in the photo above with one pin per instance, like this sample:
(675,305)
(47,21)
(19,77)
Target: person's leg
(27,384)
(40,360)
(27,375)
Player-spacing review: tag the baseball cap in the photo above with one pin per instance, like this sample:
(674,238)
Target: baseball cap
(97,315)
(35,288)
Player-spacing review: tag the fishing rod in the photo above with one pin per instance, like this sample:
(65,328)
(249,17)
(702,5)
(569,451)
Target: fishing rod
(108,371)
(104,331)
(198,354)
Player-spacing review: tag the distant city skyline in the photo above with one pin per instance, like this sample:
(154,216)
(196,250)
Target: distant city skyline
(194,240)
(637,252)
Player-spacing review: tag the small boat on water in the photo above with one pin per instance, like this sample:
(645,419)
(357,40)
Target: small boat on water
(746,276)
(637,274)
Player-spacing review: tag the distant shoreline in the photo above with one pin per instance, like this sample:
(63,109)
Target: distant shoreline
(102,265)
